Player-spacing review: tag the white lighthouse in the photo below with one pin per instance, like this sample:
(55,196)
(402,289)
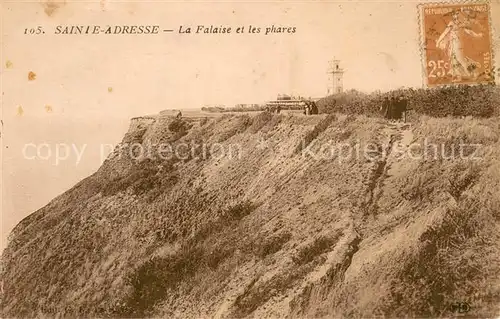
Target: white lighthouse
(335,77)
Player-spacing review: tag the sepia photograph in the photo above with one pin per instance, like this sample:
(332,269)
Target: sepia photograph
(250,159)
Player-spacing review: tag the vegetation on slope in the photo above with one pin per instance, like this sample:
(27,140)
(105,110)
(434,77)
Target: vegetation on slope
(273,232)
(463,100)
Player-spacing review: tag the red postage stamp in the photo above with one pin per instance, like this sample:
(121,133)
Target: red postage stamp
(456,43)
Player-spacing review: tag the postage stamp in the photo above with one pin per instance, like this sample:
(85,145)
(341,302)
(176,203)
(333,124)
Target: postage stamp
(456,43)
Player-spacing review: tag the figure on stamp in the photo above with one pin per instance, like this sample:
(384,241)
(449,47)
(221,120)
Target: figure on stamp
(451,41)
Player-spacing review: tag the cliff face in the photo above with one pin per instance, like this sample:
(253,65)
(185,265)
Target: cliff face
(269,216)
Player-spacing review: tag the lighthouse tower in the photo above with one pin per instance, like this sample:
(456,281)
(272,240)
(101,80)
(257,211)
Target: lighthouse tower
(335,77)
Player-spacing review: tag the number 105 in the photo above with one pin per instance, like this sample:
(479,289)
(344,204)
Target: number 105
(438,69)
(38,30)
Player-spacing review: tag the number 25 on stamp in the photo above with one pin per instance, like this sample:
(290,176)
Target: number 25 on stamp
(456,43)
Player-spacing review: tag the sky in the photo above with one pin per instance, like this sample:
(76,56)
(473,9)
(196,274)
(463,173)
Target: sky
(151,73)
(93,84)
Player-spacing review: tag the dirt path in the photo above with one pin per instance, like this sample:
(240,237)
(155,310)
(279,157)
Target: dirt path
(397,138)
(393,139)
(393,146)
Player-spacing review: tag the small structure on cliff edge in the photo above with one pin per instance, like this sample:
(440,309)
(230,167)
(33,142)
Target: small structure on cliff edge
(286,102)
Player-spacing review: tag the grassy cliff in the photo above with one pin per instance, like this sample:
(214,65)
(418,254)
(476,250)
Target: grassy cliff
(268,216)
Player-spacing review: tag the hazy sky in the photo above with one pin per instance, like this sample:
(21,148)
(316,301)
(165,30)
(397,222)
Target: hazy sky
(95,83)
(377,43)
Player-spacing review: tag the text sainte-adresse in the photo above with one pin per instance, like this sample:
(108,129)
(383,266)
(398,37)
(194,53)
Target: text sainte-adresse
(155,29)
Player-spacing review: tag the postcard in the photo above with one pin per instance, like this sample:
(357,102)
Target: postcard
(250,159)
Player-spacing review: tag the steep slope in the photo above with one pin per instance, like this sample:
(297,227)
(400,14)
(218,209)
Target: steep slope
(270,215)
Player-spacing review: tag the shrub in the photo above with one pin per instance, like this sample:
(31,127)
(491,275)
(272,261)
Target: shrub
(226,218)
(217,255)
(447,265)
(319,246)
(240,124)
(134,136)
(461,177)
(421,184)
(259,121)
(258,293)
(461,100)
(203,121)
(318,129)
(178,126)
(153,280)
(143,177)
(351,102)
(271,245)
(239,210)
